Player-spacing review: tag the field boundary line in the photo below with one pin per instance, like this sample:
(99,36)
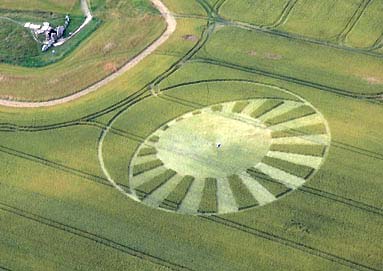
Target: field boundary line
(171,27)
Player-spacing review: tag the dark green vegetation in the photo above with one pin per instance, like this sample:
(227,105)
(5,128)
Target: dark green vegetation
(174,199)
(59,212)
(316,150)
(18,47)
(16,42)
(208,202)
(266,107)
(315,129)
(241,194)
(141,168)
(296,113)
(272,185)
(297,170)
(239,106)
(147,151)
(156,182)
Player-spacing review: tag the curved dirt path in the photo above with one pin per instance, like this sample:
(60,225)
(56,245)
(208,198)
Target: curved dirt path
(171,27)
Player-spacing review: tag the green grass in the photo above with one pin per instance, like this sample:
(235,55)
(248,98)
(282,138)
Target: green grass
(241,193)
(51,148)
(26,234)
(209,202)
(185,7)
(259,12)
(15,42)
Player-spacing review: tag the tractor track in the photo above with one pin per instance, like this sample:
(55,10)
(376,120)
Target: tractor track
(289,79)
(378,44)
(52,164)
(288,243)
(91,236)
(291,36)
(271,29)
(90,122)
(100,180)
(216,219)
(353,21)
(218,5)
(346,201)
(284,15)
(335,143)
(124,105)
(320,193)
(127,101)
(311,190)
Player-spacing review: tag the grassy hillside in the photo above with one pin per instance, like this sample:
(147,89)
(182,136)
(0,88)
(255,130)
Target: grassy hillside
(58,6)
(16,42)
(19,46)
(123,34)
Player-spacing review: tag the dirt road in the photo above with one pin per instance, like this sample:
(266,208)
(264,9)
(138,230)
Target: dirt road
(171,27)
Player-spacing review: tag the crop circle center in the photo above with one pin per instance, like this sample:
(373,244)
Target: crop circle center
(213,144)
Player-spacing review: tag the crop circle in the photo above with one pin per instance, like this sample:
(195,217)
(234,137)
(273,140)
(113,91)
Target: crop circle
(230,156)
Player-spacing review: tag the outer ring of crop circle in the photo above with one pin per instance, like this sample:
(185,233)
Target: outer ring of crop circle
(132,196)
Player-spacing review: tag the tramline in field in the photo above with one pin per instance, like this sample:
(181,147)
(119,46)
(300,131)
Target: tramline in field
(193,135)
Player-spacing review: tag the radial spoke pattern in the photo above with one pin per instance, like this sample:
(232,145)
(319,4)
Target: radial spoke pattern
(294,135)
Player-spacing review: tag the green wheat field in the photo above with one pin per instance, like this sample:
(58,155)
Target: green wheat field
(252,139)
